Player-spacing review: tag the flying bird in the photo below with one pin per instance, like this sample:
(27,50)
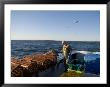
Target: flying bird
(75,21)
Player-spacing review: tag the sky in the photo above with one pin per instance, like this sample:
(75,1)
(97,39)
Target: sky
(55,25)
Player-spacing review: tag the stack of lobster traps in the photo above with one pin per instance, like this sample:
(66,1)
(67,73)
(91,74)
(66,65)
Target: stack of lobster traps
(31,64)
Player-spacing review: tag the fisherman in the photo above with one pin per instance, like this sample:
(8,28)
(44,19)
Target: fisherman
(67,53)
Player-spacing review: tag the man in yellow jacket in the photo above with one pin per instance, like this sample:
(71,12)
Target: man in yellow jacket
(66,52)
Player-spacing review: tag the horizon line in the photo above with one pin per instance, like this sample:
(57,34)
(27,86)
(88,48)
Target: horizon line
(67,40)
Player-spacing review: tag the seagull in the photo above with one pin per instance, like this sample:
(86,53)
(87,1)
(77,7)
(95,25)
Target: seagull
(76,21)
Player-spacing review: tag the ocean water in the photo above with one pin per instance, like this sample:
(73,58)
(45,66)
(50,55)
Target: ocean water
(19,48)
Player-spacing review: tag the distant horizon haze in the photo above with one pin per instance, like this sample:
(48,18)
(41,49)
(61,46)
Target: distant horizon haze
(60,40)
